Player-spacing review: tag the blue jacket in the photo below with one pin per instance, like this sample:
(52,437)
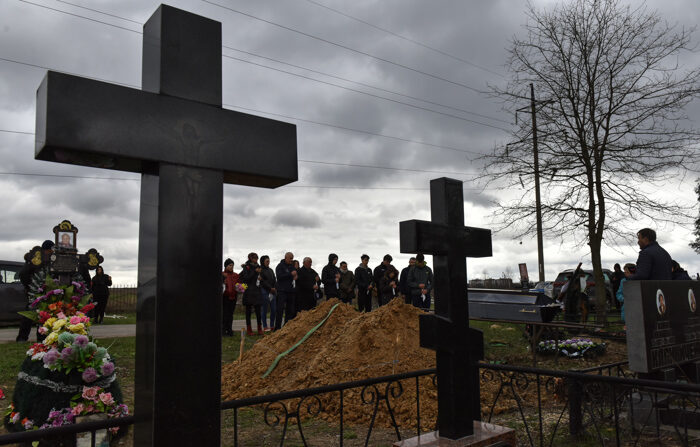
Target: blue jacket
(653,263)
(284,276)
(621,298)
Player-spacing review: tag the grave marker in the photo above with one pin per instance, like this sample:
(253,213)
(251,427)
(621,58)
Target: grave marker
(176,134)
(458,347)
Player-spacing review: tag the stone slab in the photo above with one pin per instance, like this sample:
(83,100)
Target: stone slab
(485,434)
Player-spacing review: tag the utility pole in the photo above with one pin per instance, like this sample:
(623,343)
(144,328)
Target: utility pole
(538,205)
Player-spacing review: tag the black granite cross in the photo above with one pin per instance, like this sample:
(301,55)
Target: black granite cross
(176,134)
(458,347)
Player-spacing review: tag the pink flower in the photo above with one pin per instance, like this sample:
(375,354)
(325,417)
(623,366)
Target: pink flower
(43,330)
(61,316)
(90,408)
(75,320)
(90,393)
(78,409)
(106,398)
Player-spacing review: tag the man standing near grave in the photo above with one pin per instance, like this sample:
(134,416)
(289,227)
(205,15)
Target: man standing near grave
(347,283)
(308,283)
(330,276)
(286,293)
(365,281)
(420,281)
(653,262)
(379,272)
(403,281)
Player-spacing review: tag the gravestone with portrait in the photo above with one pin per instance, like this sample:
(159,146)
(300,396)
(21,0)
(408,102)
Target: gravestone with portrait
(663,326)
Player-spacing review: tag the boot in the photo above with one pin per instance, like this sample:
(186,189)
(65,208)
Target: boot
(260,329)
(249,330)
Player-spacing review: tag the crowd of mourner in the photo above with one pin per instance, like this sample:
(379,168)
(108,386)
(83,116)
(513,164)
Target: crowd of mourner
(277,293)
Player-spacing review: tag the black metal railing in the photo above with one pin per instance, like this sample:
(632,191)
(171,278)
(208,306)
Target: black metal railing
(65,432)
(596,406)
(600,406)
(122,299)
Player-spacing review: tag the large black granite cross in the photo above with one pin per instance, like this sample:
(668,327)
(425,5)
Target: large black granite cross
(458,347)
(186,146)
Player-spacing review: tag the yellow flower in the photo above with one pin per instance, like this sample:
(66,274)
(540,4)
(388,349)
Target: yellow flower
(59,324)
(77,328)
(51,339)
(49,323)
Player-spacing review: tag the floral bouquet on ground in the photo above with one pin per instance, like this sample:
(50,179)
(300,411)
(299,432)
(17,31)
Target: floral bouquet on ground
(68,374)
(573,347)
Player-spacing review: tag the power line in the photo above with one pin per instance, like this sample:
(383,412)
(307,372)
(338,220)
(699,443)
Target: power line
(350,165)
(346,47)
(83,17)
(368,94)
(319,123)
(367,85)
(101,12)
(444,53)
(292,73)
(32,174)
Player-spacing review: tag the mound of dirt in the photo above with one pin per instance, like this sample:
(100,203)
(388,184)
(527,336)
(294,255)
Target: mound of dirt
(349,346)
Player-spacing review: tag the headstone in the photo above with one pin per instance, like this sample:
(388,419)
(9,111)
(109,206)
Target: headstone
(663,325)
(176,134)
(458,347)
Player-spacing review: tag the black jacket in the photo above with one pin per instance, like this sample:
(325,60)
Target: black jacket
(653,263)
(100,287)
(328,277)
(363,277)
(306,280)
(284,277)
(403,281)
(252,295)
(268,278)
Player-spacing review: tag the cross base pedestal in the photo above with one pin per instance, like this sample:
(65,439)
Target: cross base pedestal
(485,434)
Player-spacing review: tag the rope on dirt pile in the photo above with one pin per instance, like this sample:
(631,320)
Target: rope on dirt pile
(303,339)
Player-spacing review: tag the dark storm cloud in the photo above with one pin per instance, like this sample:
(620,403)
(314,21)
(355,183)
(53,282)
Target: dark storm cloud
(297,217)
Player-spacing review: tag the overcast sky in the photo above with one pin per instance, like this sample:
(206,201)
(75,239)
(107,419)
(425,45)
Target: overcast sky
(359,95)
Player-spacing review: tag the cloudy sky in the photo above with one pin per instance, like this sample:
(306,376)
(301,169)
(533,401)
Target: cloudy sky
(386,95)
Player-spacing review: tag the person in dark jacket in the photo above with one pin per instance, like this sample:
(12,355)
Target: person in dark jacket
(228,297)
(678,273)
(617,277)
(347,283)
(420,281)
(381,269)
(100,293)
(388,286)
(653,262)
(268,290)
(330,277)
(365,283)
(286,290)
(403,281)
(308,284)
(252,297)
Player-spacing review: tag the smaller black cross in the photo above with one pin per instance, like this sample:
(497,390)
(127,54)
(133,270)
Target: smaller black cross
(458,347)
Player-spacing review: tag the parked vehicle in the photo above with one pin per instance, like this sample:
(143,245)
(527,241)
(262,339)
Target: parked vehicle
(546,287)
(564,276)
(12,297)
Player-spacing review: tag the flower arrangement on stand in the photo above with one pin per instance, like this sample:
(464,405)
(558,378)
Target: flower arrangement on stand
(68,374)
(573,347)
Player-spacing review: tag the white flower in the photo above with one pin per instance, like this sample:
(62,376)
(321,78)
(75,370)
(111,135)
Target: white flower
(38,356)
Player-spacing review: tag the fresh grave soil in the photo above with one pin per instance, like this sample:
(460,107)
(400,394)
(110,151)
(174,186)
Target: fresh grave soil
(353,346)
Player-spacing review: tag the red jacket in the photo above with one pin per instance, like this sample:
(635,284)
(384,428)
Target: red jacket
(230,280)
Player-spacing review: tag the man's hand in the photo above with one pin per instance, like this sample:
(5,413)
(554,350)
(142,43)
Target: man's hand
(294,274)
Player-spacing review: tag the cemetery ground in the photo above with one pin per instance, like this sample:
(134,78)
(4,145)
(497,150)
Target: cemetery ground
(504,344)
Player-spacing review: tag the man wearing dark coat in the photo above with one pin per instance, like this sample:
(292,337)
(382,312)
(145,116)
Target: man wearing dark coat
(330,277)
(403,281)
(252,297)
(653,262)
(365,282)
(286,290)
(308,283)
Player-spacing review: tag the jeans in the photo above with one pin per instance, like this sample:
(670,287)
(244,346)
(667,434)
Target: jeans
(272,305)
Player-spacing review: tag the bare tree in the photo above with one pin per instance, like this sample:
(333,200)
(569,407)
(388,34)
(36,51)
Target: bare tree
(610,120)
(695,245)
